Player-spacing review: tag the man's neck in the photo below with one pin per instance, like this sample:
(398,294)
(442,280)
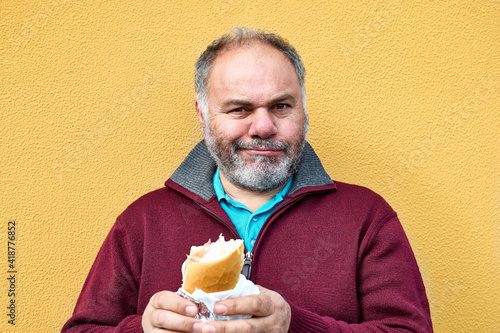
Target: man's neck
(251,199)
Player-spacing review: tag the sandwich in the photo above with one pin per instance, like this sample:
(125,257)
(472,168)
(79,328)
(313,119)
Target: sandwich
(213,267)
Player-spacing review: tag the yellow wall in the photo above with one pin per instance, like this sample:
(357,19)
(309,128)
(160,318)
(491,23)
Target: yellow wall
(96,105)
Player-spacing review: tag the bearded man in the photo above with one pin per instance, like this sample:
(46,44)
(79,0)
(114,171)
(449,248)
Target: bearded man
(327,256)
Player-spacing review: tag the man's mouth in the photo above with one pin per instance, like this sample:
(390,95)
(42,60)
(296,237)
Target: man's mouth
(261,148)
(263,151)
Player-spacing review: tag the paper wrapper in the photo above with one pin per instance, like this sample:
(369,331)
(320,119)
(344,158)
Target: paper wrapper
(206,301)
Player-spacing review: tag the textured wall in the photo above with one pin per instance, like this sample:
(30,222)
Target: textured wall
(96,105)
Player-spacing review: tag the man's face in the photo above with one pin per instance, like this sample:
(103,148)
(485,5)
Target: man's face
(256,126)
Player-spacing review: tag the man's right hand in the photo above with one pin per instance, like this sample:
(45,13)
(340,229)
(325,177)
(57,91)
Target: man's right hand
(169,312)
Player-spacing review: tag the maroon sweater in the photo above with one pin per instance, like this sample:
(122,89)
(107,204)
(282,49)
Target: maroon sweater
(336,252)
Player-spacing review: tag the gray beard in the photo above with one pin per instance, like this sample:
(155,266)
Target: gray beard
(265,173)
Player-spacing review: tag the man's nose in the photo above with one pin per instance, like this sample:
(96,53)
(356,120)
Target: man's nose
(263,124)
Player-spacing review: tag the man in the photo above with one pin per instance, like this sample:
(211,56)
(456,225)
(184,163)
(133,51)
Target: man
(328,257)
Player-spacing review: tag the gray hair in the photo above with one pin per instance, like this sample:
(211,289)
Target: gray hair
(238,36)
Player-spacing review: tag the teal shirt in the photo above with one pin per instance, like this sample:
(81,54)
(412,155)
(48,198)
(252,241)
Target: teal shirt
(247,224)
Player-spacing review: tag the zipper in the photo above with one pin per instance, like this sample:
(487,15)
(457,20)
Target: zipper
(229,226)
(279,208)
(247,265)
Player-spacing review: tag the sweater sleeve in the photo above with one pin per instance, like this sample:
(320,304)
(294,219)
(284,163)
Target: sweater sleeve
(108,300)
(391,294)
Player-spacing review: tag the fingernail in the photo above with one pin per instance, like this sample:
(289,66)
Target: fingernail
(208,329)
(191,310)
(220,309)
(197,327)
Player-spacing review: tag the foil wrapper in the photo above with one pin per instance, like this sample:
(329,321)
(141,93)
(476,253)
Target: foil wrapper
(206,301)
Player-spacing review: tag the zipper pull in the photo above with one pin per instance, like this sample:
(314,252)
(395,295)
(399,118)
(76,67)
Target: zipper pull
(247,265)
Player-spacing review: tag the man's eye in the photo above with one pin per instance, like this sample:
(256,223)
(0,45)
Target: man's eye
(281,106)
(237,110)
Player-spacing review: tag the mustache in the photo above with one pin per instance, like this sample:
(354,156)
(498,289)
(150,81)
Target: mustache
(260,143)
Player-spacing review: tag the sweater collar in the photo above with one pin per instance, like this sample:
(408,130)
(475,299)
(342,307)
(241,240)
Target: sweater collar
(196,171)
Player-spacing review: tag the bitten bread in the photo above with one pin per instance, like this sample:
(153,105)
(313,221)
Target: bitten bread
(213,267)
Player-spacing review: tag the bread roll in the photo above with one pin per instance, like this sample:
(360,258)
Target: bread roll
(213,267)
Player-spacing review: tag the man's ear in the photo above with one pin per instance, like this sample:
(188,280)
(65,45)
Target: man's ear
(198,111)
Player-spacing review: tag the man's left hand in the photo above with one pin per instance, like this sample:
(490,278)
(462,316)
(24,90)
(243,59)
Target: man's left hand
(271,313)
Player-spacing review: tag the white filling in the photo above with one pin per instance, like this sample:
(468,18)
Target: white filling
(220,249)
